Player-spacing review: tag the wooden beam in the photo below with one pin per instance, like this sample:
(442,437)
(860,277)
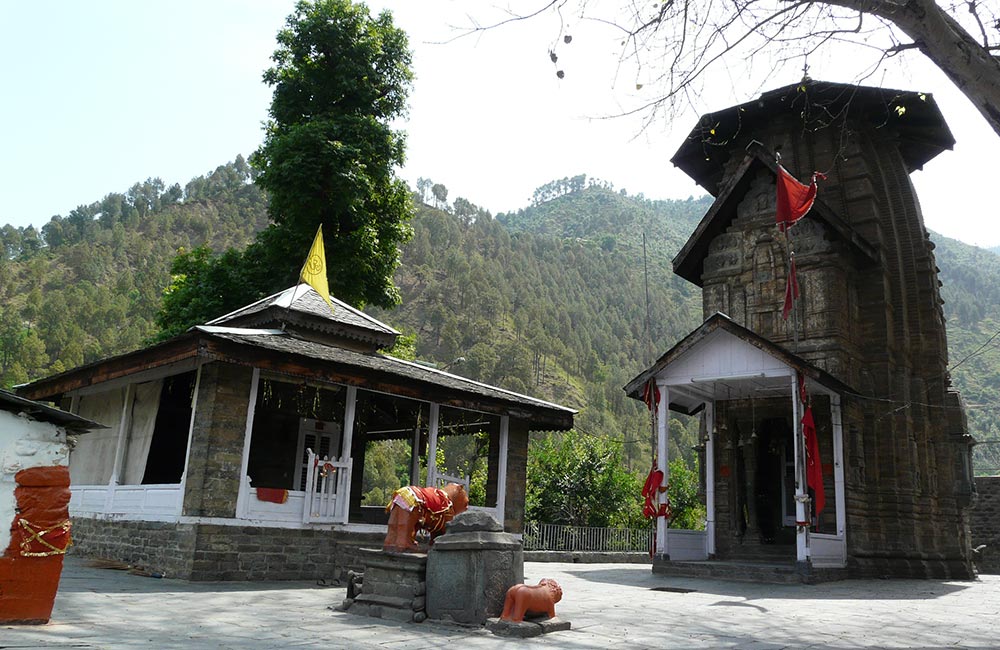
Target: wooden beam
(540,418)
(110,369)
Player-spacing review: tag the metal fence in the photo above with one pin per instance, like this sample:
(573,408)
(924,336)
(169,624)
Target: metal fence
(552,537)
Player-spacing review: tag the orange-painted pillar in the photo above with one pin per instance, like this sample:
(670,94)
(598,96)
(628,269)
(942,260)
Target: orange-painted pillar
(39,535)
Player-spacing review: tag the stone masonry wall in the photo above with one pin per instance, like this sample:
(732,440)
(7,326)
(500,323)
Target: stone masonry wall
(517,472)
(213,475)
(252,553)
(986,524)
(159,546)
(215,552)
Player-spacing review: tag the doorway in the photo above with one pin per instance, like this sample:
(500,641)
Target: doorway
(775,482)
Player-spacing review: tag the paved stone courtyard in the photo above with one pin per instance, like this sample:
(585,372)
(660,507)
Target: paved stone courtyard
(610,606)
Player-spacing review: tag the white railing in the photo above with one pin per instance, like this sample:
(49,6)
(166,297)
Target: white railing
(326,482)
(441,480)
(269,511)
(687,545)
(827,550)
(553,537)
(159,500)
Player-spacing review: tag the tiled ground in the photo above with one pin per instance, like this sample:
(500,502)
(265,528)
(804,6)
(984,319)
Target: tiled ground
(610,606)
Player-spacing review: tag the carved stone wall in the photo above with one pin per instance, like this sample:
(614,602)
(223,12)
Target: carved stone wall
(877,327)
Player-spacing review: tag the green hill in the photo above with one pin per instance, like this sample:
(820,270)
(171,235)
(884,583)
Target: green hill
(550,300)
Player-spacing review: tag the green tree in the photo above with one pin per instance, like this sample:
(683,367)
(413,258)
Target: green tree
(688,512)
(581,480)
(340,78)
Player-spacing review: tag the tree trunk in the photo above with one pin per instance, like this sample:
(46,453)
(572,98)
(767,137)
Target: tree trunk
(965,61)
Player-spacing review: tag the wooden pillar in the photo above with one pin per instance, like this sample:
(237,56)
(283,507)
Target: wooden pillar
(663,464)
(415,455)
(243,497)
(836,415)
(344,480)
(710,479)
(801,529)
(121,447)
(124,425)
(502,469)
(432,444)
(194,413)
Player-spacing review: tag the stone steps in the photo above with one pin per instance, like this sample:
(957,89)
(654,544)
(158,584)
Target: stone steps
(765,572)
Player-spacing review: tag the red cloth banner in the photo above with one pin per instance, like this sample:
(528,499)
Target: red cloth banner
(652,488)
(651,395)
(814,469)
(791,291)
(794,198)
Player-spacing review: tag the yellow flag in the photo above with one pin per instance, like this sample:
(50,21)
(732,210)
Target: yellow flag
(314,270)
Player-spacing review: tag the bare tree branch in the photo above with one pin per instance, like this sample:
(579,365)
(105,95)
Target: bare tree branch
(674,46)
(975,14)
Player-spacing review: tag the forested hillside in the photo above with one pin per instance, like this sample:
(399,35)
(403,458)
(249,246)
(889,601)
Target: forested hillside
(550,300)
(88,285)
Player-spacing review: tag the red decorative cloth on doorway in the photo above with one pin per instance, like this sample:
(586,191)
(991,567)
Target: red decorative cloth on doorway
(814,469)
(794,198)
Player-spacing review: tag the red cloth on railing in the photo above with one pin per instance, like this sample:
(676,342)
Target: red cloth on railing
(272,495)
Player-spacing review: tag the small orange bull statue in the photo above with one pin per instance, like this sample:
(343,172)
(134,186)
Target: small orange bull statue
(535,600)
(415,508)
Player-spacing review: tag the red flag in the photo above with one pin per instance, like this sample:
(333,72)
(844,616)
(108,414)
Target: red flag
(651,395)
(814,470)
(794,198)
(791,290)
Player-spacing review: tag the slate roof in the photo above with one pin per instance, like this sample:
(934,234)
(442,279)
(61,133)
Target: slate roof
(920,127)
(292,350)
(286,343)
(44,413)
(687,263)
(303,306)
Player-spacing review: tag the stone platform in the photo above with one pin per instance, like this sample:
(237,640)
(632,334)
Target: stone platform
(394,586)
(527,628)
(748,571)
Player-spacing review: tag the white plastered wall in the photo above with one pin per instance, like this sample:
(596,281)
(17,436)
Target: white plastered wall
(24,443)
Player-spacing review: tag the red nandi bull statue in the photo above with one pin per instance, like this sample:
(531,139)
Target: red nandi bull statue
(415,508)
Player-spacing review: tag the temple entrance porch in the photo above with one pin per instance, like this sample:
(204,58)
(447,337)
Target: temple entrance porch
(761,513)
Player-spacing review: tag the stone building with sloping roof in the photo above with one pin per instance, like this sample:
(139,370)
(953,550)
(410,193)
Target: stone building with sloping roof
(866,339)
(264,444)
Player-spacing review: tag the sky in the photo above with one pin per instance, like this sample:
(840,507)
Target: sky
(103,94)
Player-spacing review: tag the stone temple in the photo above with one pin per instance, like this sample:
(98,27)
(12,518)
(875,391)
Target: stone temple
(866,337)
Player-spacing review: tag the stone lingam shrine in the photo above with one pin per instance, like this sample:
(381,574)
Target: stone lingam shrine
(833,442)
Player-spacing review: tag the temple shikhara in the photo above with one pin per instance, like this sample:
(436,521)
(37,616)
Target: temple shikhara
(833,441)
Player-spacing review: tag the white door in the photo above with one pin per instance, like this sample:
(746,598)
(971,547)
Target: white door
(322,437)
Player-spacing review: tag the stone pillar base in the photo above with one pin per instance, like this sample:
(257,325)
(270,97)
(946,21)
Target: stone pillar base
(394,586)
